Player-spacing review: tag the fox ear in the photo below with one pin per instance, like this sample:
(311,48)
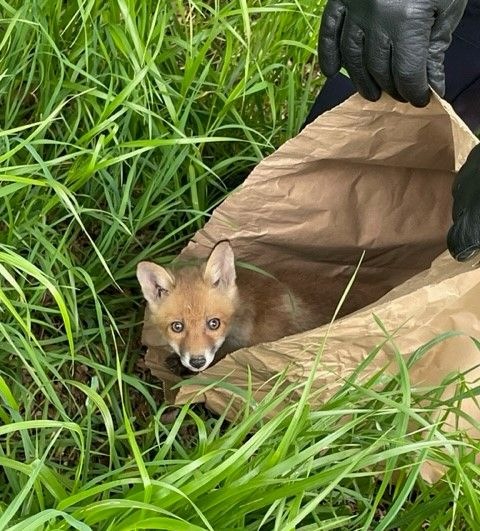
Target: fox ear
(220,267)
(155,281)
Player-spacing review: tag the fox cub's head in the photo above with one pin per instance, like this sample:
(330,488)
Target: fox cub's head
(193,307)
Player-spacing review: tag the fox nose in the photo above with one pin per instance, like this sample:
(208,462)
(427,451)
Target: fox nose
(198,362)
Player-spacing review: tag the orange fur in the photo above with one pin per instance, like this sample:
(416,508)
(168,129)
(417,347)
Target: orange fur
(250,307)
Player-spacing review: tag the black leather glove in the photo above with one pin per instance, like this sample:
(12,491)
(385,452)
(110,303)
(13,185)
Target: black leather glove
(393,45)
(464,236)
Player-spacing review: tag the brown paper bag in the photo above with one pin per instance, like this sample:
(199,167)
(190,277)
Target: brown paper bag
(373,177)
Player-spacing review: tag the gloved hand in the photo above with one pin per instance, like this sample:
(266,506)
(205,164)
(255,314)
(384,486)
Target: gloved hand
(393,45)
(464,236)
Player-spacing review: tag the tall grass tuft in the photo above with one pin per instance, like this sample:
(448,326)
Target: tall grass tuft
(123,124)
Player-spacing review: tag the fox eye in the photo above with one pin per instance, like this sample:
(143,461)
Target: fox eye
(213,324)
(177,326)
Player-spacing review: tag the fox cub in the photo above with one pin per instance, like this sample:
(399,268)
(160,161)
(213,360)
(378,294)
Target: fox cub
(204,312)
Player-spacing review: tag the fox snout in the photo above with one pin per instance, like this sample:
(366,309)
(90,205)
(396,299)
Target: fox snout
(197,362)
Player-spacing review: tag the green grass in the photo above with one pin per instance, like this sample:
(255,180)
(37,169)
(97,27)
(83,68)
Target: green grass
(123,124)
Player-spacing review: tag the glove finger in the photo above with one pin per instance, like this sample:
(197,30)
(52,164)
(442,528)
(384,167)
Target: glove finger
(436,72)
(440,39)
(409,66)
(467,181)
(463,239)
(353,51)
(464,236)
(329,55)
(379,64)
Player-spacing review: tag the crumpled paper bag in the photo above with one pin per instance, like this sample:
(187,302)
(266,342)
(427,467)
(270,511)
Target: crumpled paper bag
(373,177)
